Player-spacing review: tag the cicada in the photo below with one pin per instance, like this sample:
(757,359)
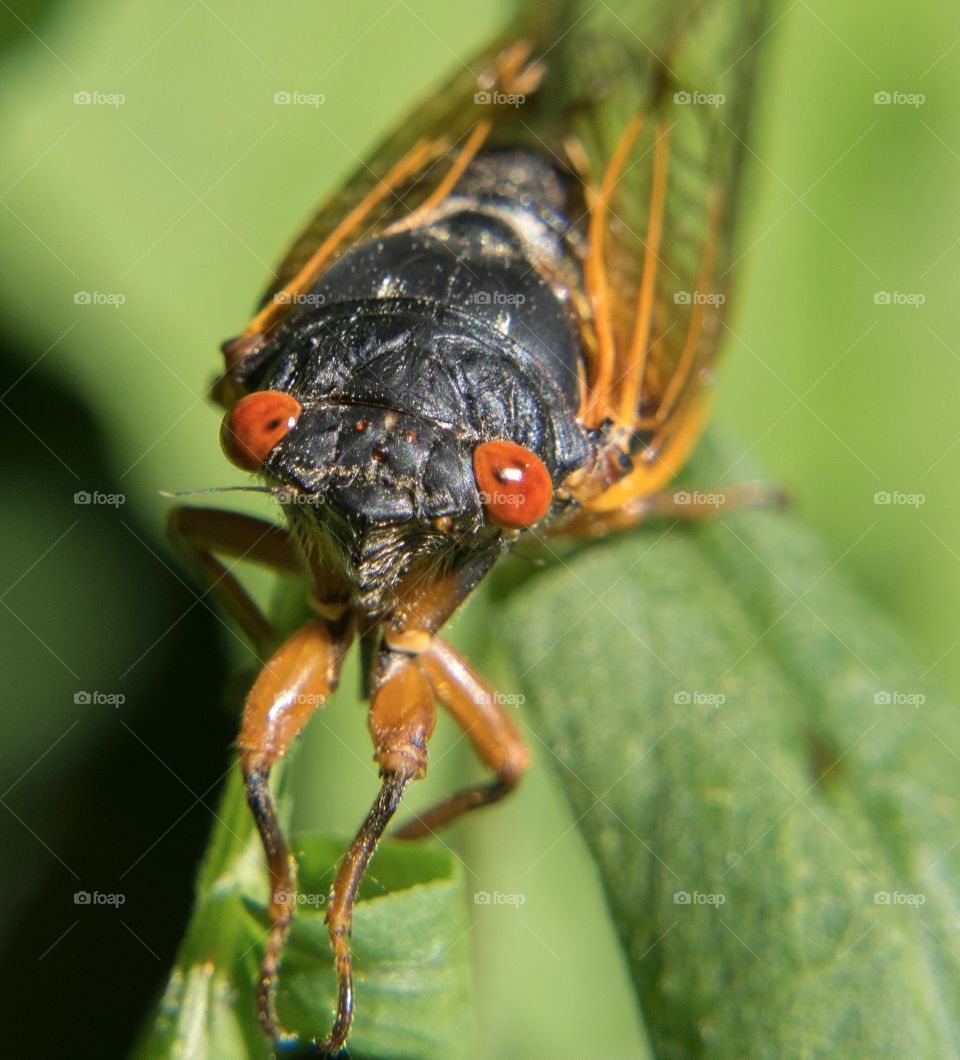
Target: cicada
(500,330)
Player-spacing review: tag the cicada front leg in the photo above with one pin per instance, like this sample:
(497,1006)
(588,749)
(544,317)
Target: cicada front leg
(414,670)
(402,716)
(297,681)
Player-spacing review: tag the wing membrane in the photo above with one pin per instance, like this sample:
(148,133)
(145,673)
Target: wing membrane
(688,70)
(443,122)
(669,87)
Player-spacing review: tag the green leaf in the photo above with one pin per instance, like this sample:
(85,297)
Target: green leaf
(770,798)
(410,953)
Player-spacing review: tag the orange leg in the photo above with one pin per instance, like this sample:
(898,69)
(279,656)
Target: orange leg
(489,727)
(198,533)
(297,680)
(402,716)
(414,669)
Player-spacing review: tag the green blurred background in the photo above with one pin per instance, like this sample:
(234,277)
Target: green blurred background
(172,182)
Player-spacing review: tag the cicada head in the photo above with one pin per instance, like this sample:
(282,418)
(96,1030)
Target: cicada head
(375,490)
(411,415)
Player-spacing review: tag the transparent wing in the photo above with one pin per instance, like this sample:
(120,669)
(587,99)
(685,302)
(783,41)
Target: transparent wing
(648,103)
(410,164)
(657,98)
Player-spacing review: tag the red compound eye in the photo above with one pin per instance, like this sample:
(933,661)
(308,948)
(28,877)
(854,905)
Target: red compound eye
(515,485)
(254,426)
